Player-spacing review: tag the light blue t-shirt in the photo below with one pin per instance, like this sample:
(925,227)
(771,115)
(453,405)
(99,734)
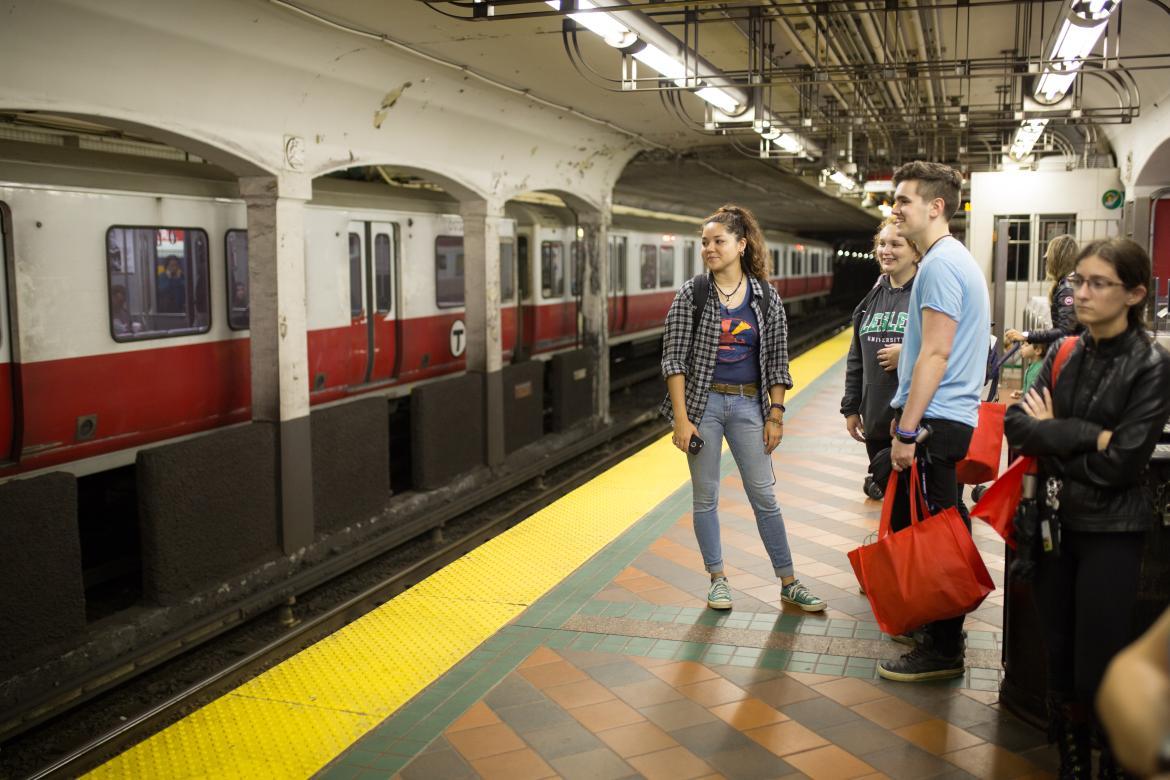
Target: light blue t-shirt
(949,282)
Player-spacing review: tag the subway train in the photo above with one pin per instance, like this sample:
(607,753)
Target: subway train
(124,295)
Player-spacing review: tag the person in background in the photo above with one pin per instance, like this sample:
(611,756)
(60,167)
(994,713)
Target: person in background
(1060,259)
(171,287)
(879,321)
(120,312)
(941,372)
(727,378)
(1093,435)
(1034,354)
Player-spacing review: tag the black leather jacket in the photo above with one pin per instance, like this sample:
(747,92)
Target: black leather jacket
(1121,385)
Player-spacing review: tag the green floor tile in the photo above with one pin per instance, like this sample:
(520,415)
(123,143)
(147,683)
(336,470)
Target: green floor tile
(809,657)
(690,652)
(834,669)
(809,628)
(800,666)
(867,633)
(617,609)
(594,607)
(406,747)
(860,673)
(739,660)
(845,632)
(586,642)
(712,658)
(640,611)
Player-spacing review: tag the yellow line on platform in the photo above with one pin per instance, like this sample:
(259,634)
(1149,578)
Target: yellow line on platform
(296,717)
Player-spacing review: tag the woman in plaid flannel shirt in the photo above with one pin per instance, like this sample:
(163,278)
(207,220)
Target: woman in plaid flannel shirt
(714,378)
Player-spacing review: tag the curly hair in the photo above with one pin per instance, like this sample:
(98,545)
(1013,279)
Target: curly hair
(742,224)
(892,220)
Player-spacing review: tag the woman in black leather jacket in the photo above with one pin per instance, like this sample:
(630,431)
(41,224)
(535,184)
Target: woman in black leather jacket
(1093,436)
(1060,259)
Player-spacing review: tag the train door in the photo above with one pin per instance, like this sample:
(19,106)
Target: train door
(7,333)
(525,302)
(618,301)
(381,275)
(359,336)
(374,335)
(1160,248)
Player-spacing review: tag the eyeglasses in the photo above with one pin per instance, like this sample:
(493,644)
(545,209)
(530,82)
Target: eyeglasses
(1096,283)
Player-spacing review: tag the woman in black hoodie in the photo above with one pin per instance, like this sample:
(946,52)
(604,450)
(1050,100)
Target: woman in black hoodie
(1093,435)
(879,322)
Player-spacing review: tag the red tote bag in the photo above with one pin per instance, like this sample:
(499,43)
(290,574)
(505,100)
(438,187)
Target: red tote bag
(982,461)
(928,571)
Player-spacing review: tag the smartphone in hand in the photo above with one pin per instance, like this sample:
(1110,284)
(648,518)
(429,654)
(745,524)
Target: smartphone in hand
(695,445)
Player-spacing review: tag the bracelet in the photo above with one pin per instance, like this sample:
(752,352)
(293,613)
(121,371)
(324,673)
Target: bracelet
(775,422)
(906,437)
(778,406)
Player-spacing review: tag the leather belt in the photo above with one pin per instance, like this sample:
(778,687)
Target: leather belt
(751,391)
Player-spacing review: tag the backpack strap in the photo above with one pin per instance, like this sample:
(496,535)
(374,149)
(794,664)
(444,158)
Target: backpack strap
(702,291)
(1067,345)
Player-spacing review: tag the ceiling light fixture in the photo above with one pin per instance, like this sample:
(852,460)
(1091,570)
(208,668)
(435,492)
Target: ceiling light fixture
(1080,31)
(1026,137)
(841,179)
(666,65)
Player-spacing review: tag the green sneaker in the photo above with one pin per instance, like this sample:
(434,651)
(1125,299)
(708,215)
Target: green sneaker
(719,596)
(796,593)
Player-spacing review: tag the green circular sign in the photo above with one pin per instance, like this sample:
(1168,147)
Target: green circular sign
(1112,199)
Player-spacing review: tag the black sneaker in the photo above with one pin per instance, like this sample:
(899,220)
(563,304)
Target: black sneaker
(873,490)
(921,664)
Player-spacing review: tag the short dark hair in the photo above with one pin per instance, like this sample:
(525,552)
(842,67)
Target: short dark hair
(935,180)
(1132,265)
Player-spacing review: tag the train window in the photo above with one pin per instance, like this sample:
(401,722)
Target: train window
(617,265)
(236,251)
(798,262)
(355,275)
(449,271)
(649,267)
(775,262)
(507,270)
(576,267)
(666,266)
(552,269)
(689,260)
(383,298)
(158,278)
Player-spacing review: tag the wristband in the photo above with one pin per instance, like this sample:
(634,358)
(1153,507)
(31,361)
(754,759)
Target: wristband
(778,406)
(906,437)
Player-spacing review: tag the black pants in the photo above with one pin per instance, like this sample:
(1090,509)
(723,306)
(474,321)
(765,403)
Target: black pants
(946,446)
(1086,597)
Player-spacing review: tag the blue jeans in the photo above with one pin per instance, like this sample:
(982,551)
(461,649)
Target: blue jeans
(740,420)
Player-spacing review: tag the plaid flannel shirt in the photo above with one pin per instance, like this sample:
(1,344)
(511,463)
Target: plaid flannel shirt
(676,347)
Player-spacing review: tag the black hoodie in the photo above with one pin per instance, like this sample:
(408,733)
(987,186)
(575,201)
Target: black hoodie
(878,321)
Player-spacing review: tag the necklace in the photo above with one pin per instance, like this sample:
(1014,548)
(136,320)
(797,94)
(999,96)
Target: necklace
(940,238)
(733,292)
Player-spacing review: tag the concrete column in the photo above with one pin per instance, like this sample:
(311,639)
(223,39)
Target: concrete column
(1137,227)
(481,292)
(278,321)
(595,305)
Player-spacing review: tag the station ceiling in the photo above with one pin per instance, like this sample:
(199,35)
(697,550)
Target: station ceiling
(875,82)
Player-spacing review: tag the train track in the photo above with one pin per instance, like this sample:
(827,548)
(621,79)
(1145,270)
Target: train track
(601,455)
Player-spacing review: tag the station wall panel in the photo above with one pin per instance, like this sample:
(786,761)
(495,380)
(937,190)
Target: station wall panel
(447,432)
(351,462)
(208,509)
(42,596)
(523,404)
(570,382)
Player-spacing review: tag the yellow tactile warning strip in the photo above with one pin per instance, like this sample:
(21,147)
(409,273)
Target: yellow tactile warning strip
(294,718)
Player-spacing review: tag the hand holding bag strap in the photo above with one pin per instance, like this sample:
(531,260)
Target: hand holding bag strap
(891,493)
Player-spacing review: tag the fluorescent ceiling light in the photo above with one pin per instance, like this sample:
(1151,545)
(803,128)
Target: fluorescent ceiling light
(619,36)
(879,185)
(1026,137)
(841,179)
(885,209)
(1075,41)
(722,100)
(611,30)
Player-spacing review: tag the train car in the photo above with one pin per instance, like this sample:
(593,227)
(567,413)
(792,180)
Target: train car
(124,302)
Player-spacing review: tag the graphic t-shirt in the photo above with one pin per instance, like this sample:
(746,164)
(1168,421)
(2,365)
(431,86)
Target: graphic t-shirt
(737,361)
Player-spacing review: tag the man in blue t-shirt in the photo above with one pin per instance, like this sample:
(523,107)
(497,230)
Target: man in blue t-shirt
(940,374)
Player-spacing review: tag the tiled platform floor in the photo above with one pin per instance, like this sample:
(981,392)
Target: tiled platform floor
(621,671)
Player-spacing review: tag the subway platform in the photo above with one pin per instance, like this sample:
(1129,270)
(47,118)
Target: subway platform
(579,645)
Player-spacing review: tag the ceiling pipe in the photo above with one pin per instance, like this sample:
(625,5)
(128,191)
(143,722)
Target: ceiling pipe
(878,47)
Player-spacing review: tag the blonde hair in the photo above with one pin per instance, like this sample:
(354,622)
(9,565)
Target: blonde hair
(892,221)
(742,224)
